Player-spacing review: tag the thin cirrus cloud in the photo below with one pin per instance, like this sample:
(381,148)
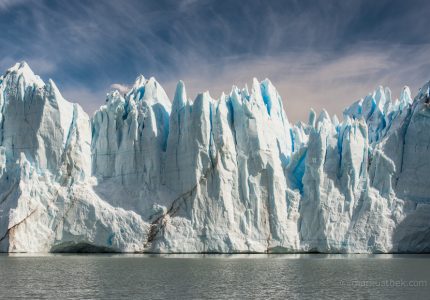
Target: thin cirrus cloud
(317,53)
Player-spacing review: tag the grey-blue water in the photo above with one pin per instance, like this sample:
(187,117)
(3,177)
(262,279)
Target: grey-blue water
(215,276)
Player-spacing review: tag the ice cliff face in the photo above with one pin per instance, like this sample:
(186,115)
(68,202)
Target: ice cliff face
(46,199)
(210,175)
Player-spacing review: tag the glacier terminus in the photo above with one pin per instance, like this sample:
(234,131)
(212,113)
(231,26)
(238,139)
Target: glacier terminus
(227,175)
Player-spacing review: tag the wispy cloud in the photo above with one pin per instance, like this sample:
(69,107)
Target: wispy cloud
(318,53)
(122,88)
(8,4)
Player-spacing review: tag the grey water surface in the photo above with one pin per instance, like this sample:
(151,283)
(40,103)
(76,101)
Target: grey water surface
(310,276)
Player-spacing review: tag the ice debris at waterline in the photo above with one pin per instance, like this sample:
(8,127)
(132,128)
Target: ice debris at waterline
(227,175)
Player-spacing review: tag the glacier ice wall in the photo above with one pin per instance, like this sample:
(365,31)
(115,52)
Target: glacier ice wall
(210,175)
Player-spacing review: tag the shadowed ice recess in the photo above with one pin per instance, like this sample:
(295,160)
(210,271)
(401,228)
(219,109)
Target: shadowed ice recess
(228,175)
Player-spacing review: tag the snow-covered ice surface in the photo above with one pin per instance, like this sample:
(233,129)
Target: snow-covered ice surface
(210,175)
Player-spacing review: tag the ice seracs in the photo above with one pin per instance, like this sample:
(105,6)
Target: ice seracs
(46,200)
(210,175)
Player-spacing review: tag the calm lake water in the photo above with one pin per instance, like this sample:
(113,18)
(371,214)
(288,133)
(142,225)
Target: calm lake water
(311,276)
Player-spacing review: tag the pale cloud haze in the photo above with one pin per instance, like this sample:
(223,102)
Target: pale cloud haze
(312,80)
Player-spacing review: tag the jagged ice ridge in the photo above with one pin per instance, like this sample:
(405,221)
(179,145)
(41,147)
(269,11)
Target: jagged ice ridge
(228,175)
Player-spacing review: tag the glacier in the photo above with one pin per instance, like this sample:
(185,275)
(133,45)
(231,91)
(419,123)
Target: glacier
(227,175)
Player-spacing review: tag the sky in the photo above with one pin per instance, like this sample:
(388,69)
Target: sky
(318,54)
